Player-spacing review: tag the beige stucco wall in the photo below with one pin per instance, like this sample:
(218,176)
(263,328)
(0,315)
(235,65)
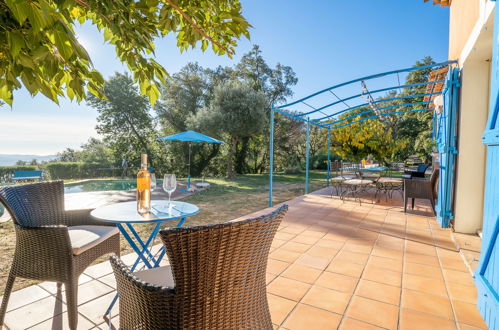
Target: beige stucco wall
(474,54)
(463,16)
(470,174)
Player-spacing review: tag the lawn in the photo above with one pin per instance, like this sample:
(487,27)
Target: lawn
(224,200)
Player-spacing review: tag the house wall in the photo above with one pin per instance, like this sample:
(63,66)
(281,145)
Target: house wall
(463,16)
(470,174)
(471,28)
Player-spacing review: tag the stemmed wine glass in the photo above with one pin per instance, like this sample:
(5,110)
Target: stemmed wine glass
(153,181)
(169,185)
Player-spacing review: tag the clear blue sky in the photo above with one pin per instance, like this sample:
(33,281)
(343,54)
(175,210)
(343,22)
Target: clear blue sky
(324,41)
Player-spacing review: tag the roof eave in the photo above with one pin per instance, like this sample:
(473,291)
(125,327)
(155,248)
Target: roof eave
(443,3)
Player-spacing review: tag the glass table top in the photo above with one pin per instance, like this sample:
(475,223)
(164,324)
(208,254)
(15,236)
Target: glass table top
(126,212)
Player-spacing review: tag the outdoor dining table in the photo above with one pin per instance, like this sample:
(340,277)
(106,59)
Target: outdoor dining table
(356,186)
(125,216)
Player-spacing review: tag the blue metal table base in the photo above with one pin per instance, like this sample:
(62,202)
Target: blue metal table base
(144,254)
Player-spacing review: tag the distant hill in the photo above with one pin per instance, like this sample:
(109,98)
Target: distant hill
(10,159)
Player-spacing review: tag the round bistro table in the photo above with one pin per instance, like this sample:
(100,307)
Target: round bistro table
(125,216)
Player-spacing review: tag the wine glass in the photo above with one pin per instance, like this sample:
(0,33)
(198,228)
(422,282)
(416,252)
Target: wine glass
(153,181)
(169,185)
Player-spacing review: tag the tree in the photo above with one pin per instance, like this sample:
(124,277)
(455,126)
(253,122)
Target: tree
(193,89)
(125,120)
(97,152)
(275,84)
(236,111)
(68,155)
(40,50)
(185,93)
(369,137)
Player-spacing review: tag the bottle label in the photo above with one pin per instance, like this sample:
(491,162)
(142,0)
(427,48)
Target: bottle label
(144,184)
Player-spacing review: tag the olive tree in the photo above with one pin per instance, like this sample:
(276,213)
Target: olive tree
(236,112)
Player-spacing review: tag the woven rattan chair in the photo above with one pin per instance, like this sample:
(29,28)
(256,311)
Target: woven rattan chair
(216,279)
(53,244)
(419,172)
(421,188)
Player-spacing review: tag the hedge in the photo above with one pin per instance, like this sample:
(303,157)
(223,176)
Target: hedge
(63,170)
(78,170)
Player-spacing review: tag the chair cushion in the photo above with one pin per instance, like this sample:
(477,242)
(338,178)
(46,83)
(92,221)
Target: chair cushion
(390,180)
(161,276)
(85,237)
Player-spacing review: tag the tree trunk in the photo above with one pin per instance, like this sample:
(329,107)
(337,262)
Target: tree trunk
(241,156)
(203,161)
(141,141)
(230,158)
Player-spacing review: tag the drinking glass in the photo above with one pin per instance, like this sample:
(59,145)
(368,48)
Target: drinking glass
(153,182)
(169,185)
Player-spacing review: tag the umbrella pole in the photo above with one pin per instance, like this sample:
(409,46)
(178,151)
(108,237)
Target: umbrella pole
(189,176)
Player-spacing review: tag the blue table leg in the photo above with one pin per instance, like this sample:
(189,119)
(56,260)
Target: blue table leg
(163,251)
(152,237)
(133,245)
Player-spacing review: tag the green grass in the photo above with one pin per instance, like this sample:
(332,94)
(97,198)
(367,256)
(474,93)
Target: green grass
(228,199)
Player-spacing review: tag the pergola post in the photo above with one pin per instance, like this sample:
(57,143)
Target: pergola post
(307,158)
(328,175)
(271,152)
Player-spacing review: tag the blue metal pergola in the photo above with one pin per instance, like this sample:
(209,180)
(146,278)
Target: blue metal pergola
(325,116)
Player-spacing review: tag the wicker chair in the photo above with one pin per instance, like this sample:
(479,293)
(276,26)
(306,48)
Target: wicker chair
(53,244)
(419,172)
(421,188)
(216,279)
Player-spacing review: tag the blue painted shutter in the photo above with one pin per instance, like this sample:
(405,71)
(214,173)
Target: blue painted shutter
(447,147)
(487,273)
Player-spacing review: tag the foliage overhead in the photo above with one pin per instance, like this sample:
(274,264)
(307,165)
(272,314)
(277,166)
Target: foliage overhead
(40,50)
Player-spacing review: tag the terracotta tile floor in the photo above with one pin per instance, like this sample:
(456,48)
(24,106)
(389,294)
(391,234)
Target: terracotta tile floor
(332,265)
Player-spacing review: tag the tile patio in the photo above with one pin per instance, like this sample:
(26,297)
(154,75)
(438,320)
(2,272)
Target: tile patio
(332,265)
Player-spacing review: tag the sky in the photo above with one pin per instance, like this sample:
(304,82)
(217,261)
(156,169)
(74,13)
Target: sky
(325,42)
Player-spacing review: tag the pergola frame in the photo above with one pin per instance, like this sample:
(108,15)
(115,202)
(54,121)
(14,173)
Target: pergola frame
(330,121)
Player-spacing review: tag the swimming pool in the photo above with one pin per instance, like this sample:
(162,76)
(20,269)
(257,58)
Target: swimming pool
(101,185)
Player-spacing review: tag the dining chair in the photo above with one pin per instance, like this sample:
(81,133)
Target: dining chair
(215,280)
(421,188)
(53,244)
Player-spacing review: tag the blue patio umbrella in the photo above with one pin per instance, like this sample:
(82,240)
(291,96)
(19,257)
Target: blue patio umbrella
(190,136)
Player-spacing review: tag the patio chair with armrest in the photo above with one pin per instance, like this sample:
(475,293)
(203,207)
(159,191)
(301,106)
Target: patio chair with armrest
(53,244)
(216,279)
(421,188)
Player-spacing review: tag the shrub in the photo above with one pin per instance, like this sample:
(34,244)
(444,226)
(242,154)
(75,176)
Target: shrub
(293,170)
(78,170)
(64,170)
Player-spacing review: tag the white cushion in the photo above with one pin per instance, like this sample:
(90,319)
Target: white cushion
(202,184)
(161,276)
(85,237)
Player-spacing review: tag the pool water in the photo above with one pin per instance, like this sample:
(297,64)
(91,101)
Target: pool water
(101,185)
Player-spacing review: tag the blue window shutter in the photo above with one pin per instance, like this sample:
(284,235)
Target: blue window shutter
(487,273)
(446,138)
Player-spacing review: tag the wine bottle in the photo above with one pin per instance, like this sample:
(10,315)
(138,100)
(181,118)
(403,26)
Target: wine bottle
(143,187)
